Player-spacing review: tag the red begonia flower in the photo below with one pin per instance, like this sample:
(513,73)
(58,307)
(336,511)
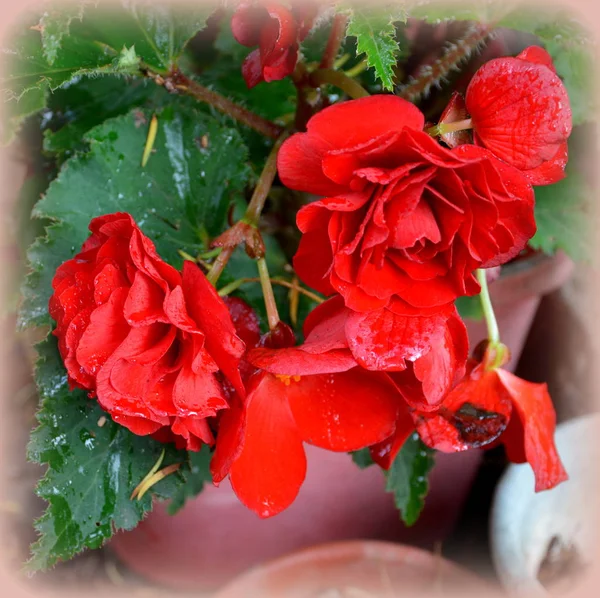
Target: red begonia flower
(147,341)
(520,111)
(265,457)
(277,31)
(404,220)
(492,405)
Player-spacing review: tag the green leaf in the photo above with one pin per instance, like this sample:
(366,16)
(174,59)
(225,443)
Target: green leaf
(407,478)
(362,458)
(93,467)
(16,113)
(180,197)
(563,213)
(84,104)
(54,25)
(575,65)
(103,41)
(199,474)
(375,34)
(469,307)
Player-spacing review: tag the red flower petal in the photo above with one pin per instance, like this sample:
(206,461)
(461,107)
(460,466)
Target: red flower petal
(383,340)
(384,452)
(295,361)
(520,110)
(332,410)
(537,55)
(551,171)
(232,424)
(538,420)
(212,316)
(474,414)
(271,467)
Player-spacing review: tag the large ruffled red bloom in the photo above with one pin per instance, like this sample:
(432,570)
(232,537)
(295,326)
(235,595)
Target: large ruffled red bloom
(403,219)
(277,31)
(147,341)
(491,405)
(520,111)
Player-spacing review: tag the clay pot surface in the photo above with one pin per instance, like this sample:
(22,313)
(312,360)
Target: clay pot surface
(355,569)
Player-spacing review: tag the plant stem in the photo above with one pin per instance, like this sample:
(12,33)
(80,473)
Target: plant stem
(219,264)
(338,79)
(336,37)
(267,289)
(179,81)
(488,310)
(444,128)
(236,284)
(357,69)
(261,191)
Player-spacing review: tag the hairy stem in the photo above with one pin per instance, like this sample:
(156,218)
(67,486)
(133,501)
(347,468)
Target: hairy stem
(336,37)
(340,80)
(434,73)
(178,81)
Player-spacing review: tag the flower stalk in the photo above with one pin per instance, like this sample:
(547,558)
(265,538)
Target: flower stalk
(267,289)
(488,310)
(340,80)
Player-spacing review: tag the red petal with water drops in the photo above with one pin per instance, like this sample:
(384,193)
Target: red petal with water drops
(342,411)
(520,110)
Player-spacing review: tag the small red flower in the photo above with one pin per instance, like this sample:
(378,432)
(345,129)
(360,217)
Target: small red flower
(403,219)
(260,440)
(520,111)
(147,341)
(492,405)
(277,31)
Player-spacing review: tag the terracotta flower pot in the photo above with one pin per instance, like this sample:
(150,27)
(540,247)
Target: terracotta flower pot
(353,569)
(214,537)
(516,295)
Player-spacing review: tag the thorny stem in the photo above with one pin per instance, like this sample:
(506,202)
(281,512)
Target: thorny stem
(267,289)
(488,310)
(336,37)
(236,284)
(340,80)
(261,191)
(178,81)
(219,264)
(432,74)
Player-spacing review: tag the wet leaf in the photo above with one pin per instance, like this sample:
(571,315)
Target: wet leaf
(92,40)
(92,468)
(407,478)
(198,475)
(180,198)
